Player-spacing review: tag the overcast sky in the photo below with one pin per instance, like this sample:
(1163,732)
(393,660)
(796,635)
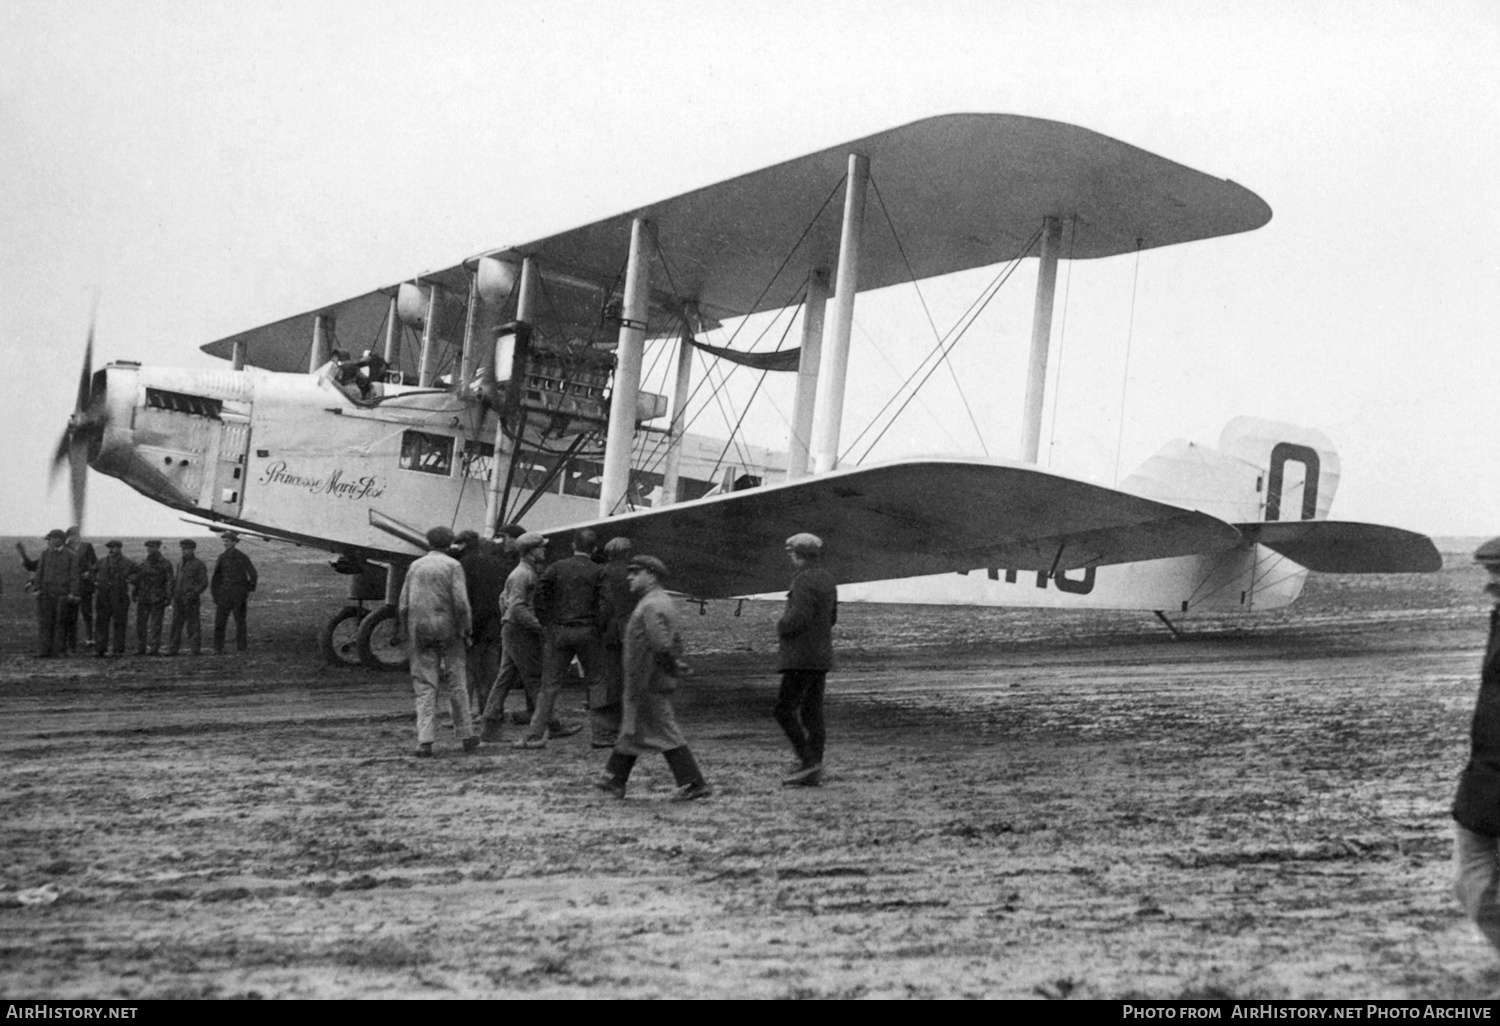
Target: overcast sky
(206,167)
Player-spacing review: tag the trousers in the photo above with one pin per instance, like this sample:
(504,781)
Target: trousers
(1476,880)
(799,710)
(440,667)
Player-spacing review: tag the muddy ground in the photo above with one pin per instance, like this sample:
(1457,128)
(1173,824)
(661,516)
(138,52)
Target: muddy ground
(1018,805)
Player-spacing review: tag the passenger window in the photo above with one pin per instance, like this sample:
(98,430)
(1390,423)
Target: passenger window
(427,453)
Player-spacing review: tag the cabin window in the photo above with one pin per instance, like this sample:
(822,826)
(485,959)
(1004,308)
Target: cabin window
(644,489)
(427,453)
(532,469)
(479,460)
(689,488)
(583,478)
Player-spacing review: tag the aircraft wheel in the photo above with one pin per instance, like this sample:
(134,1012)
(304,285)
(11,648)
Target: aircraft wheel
(339,638)
(381,644)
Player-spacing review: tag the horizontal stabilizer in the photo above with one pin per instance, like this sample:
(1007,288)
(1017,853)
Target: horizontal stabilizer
(1343,547)
(908,518)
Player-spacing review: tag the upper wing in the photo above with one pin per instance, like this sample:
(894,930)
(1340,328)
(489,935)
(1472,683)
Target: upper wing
(964,190)
(1344,547)
(908,518)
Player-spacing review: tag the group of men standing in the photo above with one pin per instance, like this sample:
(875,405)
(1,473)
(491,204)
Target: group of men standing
(483,619)
(71,583)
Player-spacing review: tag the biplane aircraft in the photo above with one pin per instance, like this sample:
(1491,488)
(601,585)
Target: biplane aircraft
(507,387)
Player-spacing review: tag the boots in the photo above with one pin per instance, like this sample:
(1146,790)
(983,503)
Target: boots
(616,773)
(690,782)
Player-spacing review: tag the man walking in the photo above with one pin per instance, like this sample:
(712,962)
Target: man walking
(520,633)
(153,593)
(113,576)
(55,582)
(434,616)
(805,633)
(234,579)
(619,602)
(653,668)
(187,599)
(569,606)
(1476,808)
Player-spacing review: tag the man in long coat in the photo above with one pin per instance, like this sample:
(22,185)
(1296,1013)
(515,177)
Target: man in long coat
(187,599)
(1476,808)
(434,616)
(653,666)
(153,593)
(805,633)
(233,580)
(113,576)
(55,581)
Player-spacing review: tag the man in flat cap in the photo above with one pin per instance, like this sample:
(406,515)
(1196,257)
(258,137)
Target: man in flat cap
(653,669)
(113,576)
(520,635)
(1476,808)
(619,603)
(55,582)
(187,599)
(484,574)
(570,608)
(434,615)
(233,580)
(83,609)
(153,593)
(805,633)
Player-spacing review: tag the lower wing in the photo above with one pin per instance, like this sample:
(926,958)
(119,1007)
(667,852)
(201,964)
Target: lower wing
(908,518)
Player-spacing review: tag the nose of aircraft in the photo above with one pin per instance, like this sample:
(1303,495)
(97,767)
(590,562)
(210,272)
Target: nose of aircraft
(81,438)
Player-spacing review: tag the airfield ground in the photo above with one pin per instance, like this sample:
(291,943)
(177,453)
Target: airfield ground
(1019,804)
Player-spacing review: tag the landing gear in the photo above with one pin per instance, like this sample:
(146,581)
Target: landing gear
(339,638)
(380,643)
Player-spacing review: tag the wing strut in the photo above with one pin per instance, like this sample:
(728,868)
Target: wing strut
(672,471)
(835,362)
(1041,339)
(627,381)
(803,401)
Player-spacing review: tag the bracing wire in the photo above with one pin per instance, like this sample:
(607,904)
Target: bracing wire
(1062,336)
(1125,377)
(912,275)
(965,321)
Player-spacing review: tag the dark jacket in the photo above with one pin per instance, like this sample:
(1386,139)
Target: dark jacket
(486,576)
(56,572)
(192,579)
(806,627)
(569,593)
(234,577)
(619,601)
(88,559)
(153,580)
(113,576)
(1477,805)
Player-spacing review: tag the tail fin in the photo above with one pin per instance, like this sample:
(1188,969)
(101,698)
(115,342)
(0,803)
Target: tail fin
(1262,470)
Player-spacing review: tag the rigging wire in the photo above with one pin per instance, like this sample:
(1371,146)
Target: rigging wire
(1062,337)
(896,371)
(734,432)
(1125,377)
(956,332)
(912,274)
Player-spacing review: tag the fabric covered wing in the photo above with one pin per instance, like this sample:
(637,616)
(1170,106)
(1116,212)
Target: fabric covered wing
(1344,547)
(906,519)
(964,191)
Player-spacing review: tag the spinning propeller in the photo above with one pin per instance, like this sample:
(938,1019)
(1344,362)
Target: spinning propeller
(80,439)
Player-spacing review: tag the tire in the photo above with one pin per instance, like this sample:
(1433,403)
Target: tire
(339,638)
(381,647)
